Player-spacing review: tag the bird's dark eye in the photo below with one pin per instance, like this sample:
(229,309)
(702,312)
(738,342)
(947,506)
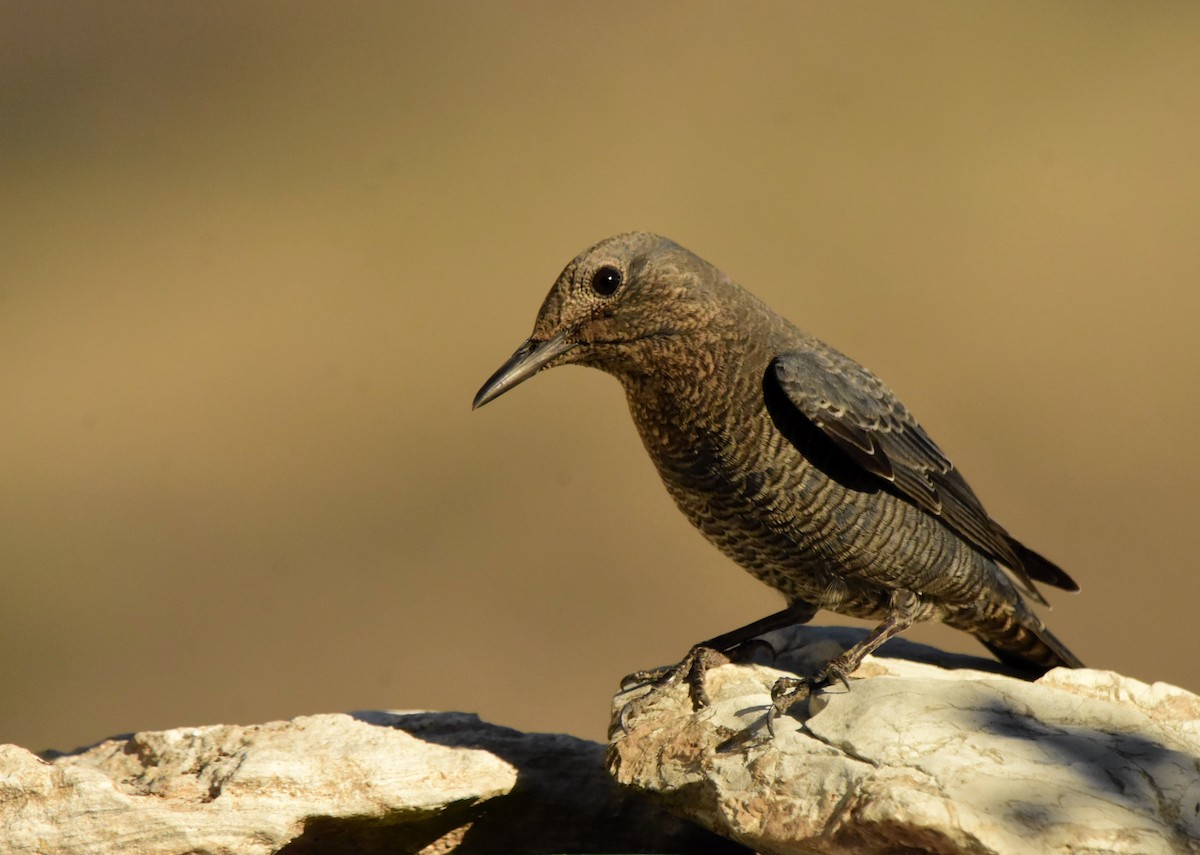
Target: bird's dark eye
(606,280)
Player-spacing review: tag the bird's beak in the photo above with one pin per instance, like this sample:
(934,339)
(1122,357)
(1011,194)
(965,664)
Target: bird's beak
(530,358)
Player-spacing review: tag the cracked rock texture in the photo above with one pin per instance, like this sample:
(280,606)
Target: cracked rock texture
(929,753)
(919,758)
(362,783)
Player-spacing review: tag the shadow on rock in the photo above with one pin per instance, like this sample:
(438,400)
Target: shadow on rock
(563,801)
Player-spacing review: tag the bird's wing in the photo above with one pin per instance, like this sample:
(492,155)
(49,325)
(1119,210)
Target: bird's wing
(867,421)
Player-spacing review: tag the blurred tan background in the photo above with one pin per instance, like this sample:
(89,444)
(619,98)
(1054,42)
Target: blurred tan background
(256,258)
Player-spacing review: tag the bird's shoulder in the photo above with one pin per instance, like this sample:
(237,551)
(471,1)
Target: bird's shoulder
(857,410)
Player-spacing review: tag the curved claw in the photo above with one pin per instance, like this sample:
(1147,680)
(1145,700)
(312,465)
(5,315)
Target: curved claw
(789,691)
(785,694)
(623,718)
(644,678)
(835,673)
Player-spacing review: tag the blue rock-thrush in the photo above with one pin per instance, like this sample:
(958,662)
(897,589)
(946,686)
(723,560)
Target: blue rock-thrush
(793,459)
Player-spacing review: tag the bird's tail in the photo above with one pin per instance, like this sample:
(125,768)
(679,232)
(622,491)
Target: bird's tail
(1019,639)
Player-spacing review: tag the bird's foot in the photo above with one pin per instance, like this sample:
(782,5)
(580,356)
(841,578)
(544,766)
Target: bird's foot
(690,670)
(790,691)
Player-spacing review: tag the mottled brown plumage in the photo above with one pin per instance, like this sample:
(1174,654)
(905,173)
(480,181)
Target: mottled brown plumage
(793,459)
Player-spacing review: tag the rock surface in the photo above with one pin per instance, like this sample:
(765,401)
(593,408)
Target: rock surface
(918,758)
(366,782)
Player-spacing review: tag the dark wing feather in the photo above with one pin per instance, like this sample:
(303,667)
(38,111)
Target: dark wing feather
(861,415)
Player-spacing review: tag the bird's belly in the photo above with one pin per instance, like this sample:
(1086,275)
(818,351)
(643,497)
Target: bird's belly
(818,540)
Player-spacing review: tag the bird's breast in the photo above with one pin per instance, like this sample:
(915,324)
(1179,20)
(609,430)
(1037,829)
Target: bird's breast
(750,492)
(789,510)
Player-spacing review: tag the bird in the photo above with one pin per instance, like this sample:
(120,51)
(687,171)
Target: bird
(794,460)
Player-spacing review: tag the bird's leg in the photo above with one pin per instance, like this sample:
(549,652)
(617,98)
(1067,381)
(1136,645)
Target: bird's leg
(727,643)
(707,654)
(789,691)
(797,612)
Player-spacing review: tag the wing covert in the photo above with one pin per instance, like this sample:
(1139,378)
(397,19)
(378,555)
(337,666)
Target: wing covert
(868,422)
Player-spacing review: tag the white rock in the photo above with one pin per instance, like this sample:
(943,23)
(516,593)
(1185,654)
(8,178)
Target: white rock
(233,789)
(919,757)
(386,782)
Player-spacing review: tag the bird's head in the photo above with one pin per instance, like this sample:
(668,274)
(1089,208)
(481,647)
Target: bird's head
(624,306)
